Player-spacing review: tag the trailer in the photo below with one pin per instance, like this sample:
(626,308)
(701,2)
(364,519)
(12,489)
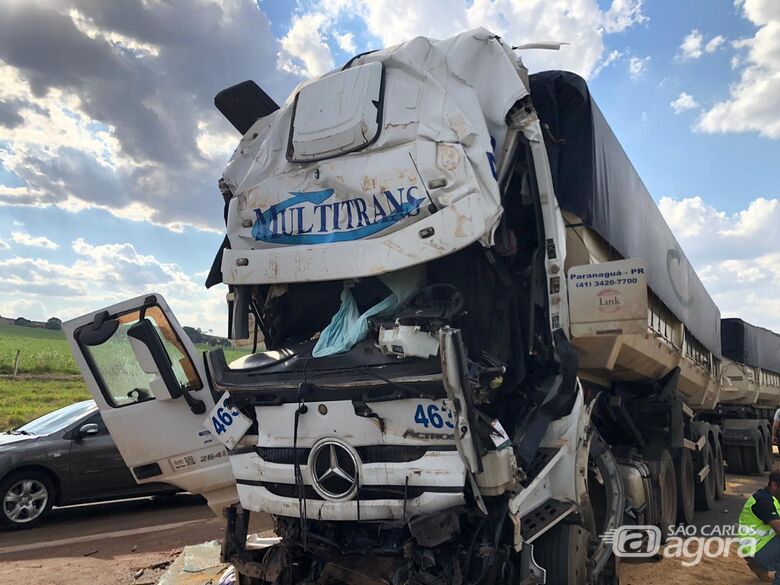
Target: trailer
(749,397)
(653,370)
(483,348)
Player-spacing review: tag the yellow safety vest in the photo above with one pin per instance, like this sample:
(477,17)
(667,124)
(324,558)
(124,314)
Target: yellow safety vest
(754,534)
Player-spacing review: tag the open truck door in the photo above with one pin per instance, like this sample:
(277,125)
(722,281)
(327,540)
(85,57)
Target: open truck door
(150,384)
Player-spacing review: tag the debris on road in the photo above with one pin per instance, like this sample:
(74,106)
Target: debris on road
(196,565)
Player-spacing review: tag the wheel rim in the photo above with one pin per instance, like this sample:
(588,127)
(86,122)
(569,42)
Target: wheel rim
(25,501)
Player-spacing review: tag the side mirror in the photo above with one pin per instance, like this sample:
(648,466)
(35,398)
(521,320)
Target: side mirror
(160,363)
(88,430)
(153,359)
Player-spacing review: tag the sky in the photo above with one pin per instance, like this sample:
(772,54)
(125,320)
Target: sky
(110,147)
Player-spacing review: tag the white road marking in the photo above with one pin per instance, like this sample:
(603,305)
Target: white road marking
(94,537)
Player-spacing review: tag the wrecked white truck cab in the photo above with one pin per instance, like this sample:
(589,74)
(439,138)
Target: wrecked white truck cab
(418,414)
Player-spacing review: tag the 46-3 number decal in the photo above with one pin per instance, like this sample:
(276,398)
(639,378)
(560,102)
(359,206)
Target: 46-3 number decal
(435,416)
(223,419)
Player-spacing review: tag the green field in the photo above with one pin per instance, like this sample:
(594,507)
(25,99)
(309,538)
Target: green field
(42,351)
(44,354)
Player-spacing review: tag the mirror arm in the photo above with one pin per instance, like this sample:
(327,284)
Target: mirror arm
(144,332)
(197,406)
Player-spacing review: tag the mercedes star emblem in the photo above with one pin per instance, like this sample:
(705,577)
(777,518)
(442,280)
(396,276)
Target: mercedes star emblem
(334,470)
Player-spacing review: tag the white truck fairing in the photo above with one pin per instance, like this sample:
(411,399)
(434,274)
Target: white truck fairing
(422,123)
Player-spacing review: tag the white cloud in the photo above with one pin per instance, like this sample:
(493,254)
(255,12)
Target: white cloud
(713,44)
(736,255)
(34,310)
(25,239)
(111,107)
(754,101)
(637,67)
(346,42)
(105,274)
(4,245)
(683,102)
(691,47)
(304,51)
(623,14)
(611,58)
(581,23)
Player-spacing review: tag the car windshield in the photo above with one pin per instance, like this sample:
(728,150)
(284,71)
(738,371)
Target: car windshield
(57,420)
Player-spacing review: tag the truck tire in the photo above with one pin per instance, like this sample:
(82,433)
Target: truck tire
(667,484)
(753,455)
(685,487)
(734,459)
(770,454)
(720,474)
(563,552)
(705,490)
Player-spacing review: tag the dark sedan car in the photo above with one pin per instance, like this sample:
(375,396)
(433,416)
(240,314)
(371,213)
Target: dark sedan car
(64,457)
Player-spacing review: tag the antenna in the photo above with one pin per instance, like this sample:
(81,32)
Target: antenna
(550,46)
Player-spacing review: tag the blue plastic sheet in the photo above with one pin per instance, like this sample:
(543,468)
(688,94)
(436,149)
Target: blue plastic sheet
(348,326)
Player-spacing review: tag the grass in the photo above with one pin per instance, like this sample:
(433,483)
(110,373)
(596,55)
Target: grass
(45,353)
(42,351)
(231,353)
(25,399)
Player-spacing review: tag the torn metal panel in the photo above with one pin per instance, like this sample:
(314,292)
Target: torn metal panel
(422,122)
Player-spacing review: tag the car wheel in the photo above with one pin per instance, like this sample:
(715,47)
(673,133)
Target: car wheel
(25,499)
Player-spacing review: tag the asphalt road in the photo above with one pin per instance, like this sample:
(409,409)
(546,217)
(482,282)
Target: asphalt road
(114,543)
(97,522)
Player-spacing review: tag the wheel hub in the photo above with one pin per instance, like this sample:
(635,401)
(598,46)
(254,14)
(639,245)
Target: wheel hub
(25,501)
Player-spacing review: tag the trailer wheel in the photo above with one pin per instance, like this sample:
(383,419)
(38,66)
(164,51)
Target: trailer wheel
(769,462)
(720,475)
(753,455)
(563,552)
(705,490)
(734,459)
(667,483)
(685,487)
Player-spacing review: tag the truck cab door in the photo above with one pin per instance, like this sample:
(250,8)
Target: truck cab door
(151,387)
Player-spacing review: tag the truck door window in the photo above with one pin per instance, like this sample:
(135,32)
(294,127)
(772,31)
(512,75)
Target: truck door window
(116,368)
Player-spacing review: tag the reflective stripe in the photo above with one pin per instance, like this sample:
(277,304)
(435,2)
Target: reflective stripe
(755,532)
(748,531)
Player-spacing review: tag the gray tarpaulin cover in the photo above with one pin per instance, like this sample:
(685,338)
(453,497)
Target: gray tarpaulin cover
(747,344)
(595,180)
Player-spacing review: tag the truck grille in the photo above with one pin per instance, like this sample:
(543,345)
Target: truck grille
(370,454)
(366,492)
